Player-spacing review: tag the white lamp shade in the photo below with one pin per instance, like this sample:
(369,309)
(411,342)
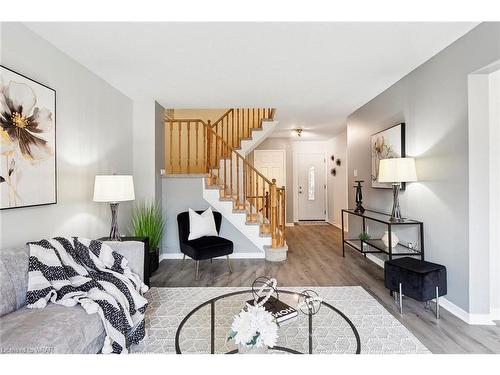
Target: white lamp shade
(113,188)
(397,170)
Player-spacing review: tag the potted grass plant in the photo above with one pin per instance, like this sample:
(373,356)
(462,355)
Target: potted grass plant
(147,221)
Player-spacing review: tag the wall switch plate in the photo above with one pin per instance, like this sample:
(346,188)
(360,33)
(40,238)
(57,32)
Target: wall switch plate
(355,173)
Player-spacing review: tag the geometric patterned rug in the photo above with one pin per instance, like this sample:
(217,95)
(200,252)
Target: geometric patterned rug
(379,331)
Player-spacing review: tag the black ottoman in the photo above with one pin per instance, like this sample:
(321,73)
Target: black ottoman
(416,279)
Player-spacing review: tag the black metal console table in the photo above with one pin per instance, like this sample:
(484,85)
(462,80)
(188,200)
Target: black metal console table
(376,245)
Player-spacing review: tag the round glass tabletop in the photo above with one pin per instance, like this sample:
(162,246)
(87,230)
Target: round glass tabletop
(205,328)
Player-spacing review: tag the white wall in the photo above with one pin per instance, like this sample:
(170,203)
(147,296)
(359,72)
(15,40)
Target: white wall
(479,197)
(494,112)
(484,187)
(159,149)
(337,185)
(94,136)
(144,150)
(182,193)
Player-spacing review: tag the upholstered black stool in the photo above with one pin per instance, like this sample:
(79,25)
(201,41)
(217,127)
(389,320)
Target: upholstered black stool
(416,279)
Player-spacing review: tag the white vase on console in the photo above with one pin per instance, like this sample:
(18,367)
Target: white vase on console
(394,239)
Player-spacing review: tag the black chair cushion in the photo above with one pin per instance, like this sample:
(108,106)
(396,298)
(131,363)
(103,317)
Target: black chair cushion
(207,247)
(418,278)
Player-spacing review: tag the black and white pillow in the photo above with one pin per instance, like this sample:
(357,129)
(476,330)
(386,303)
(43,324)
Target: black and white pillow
(201,225)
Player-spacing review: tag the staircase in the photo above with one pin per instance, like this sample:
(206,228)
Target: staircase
(246,198)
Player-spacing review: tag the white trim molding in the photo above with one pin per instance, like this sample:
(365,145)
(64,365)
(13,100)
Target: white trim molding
(337,225)
(472,319)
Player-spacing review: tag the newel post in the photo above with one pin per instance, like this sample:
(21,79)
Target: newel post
(274,214)
(283,216)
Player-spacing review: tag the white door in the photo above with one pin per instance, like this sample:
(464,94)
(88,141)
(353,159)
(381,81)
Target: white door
(311,188)
(271,163)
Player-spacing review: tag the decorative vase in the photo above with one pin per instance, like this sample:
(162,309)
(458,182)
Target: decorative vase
(394,239)
(243,349)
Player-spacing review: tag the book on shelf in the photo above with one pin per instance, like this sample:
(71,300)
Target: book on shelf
(279,309)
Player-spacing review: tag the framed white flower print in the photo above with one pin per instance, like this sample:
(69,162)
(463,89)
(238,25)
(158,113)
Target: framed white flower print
(27,142)
(388,143)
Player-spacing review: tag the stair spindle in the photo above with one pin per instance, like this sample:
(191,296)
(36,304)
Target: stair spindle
(189,151)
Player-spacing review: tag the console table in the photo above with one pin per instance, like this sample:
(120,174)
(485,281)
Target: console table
(372,245)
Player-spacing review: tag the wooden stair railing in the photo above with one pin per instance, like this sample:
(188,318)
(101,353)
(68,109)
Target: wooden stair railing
(237,124)
(195,147)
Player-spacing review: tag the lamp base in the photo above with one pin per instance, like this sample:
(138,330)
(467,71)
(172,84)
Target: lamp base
(396,211)
(114,234)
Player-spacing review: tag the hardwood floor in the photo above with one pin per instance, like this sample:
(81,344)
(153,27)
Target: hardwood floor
(315,259)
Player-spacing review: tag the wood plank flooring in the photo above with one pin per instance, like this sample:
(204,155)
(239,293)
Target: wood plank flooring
(315,259)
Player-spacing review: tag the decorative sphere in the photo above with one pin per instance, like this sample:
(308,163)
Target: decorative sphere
(309,302)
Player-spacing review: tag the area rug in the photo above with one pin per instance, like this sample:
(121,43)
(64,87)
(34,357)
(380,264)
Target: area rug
(379,331)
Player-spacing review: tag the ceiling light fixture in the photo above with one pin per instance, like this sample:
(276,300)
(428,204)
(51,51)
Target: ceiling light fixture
(299,132)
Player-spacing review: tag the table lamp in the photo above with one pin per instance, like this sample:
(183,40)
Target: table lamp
(114,189)
(396,171)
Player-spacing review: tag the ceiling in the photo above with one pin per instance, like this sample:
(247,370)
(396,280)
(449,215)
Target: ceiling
(315,74)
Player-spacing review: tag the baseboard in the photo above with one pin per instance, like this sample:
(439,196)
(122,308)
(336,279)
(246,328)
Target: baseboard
(472,319)
(337,225)
(289,224)
(376,260)
(232,256)
(495,314)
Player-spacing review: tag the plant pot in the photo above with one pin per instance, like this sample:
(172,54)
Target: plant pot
(243,349)
(154,260)
(394,239)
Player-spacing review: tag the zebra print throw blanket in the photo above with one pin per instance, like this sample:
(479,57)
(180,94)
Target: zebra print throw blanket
(71,271)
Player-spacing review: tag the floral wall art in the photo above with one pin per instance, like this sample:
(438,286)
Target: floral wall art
(27,141)
(389,143)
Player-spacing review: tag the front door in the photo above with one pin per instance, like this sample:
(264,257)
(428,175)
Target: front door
(311,189)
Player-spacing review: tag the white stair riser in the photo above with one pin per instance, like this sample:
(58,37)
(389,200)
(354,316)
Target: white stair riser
(251,231)
(212,196)
(257,137)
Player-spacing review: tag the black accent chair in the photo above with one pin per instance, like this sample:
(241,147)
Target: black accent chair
(203,248)
(416,279)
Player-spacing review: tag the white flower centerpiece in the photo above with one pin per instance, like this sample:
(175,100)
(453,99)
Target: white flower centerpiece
(254,329)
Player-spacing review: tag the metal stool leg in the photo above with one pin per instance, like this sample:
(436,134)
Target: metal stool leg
(229,264)
(183,259)
(197,269)
(400,298)
(437,302)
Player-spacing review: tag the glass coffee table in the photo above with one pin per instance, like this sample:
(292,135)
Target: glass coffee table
(205,328)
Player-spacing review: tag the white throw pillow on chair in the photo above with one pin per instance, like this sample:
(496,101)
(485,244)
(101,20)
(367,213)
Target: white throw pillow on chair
(201,225)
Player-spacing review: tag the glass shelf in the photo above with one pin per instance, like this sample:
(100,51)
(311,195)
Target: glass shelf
(381,217)
(377,245)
